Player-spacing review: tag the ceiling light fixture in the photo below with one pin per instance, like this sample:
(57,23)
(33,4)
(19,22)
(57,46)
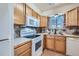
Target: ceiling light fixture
(51,3)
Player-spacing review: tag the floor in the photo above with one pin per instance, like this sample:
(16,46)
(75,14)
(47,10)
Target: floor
(51,53)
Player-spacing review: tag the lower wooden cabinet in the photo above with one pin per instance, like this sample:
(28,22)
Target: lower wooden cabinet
(56,43)
(26,53)
(60,44)
(23,49)
(50,43)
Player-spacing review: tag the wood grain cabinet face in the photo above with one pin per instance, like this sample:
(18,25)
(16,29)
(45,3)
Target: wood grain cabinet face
(23,49)
(72,17)
(50,43)
(34,14)
(43,21)
(39,17)
(26,53)
(19,13)
(60,44)
(56,43)
(28,11)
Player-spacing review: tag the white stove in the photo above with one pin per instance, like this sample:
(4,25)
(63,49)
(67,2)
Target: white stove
(37,40)
(37,46)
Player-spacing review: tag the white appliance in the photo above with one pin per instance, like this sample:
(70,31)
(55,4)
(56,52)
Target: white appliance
(27,32)
(72,46)
(31,21)
(37,40)
(5,47)
(37,46)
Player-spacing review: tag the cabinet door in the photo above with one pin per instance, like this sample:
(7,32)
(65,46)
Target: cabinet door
(60,44)
(34,14)
(78,16)
(26,53)
(67,20)
(43,21)
(71,17)
(50,43)
(19,13)
(39,17)
(28,11)
(22,48)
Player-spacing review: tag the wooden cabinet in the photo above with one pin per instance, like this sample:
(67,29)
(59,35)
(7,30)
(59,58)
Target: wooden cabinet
(26,53)
(56,43)
(28,11)
(34,14)
(60,44)
(43,21)
(72,17)
(39,17)
(23,49)
(50,43)
(19,13)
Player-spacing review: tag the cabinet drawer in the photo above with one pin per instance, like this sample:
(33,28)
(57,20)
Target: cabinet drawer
(22,48)
(60,38)
(26,53)
(50,36)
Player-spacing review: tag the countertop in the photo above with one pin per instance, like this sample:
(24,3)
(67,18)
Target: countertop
(21,40)
(18,41)
(64,34)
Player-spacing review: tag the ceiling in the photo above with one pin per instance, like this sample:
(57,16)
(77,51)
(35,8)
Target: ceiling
(48,6)
(48,9)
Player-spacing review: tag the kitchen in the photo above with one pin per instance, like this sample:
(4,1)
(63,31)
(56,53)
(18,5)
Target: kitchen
(39,29)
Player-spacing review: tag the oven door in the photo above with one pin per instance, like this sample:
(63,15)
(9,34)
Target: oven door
(37,46)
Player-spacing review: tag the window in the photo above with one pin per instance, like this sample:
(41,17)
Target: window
(56,22)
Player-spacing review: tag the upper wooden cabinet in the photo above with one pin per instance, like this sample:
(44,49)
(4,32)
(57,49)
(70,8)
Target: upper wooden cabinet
(34,14)
(28,11)
(72,17)
(43,21)
(19,13)
(38,17)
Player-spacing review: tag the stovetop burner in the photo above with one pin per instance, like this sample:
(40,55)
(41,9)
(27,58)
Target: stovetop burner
(31,36)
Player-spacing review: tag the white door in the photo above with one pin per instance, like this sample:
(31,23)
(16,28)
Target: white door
(72,46)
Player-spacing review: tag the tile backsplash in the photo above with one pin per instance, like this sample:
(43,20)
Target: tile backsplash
(17,31)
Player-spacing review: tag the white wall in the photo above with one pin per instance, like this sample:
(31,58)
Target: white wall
(6,26)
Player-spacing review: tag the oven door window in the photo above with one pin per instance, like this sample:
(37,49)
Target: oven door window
(37,45)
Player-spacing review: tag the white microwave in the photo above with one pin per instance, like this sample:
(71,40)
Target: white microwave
(31,21)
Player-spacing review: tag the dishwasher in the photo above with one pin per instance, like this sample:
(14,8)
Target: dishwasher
(72,46)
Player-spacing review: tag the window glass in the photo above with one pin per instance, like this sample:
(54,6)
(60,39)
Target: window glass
(56,22)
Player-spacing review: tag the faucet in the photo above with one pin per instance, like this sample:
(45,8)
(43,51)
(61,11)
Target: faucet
(55,31)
